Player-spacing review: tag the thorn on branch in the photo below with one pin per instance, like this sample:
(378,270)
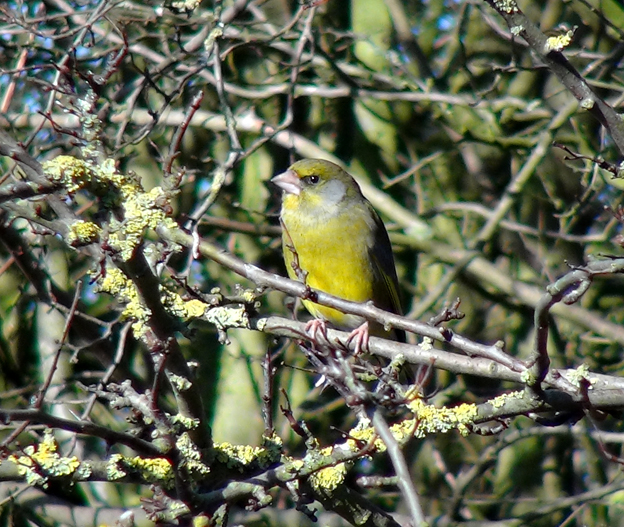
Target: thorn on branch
(298,428)
(309,294)
(448,313)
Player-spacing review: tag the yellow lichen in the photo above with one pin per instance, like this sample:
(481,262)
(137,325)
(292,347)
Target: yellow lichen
(107,178)
(404,430)
(587,103)
(185,309)
(224,317)
(191,456)
(273,442)
(528,378)
(212,37)
(330,478)
(180,383)
(119,285)
(559,42)
(427,420)
(40,462)
(116,283)
(501,400)
(234,455)
(114,468)
(195,308)
(201,521)
(142,211)
(71,172)
(249,296)
(430,419)
(185,5)
(363,433)
(240,457)
(506,6)
(152,470)
(579,375)
(184,422)
(427,344)
(83,233)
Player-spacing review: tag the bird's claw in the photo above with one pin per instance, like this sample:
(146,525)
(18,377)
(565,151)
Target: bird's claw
(317,327)
(360,337)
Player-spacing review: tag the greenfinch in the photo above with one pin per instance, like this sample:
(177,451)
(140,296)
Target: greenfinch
(335,242)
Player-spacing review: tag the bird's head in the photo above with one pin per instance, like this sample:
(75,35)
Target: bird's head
(316,186)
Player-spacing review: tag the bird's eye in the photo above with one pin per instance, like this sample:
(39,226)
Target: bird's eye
(312,180)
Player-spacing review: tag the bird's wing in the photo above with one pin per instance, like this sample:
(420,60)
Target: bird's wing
(386,291)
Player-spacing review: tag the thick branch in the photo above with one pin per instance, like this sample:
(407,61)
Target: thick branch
(519,24)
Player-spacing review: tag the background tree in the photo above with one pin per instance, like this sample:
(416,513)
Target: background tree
(144,371)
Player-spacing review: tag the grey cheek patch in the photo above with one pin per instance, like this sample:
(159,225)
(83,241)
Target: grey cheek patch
(334,192)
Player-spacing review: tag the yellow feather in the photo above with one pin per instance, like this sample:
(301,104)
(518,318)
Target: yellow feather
(334,257)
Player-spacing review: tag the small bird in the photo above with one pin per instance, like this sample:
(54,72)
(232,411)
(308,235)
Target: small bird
(335,242)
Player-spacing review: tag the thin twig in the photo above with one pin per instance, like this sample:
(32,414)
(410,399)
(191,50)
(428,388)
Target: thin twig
(70,317)
(400,468)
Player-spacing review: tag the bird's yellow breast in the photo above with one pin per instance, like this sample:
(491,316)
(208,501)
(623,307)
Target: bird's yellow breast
(332,250)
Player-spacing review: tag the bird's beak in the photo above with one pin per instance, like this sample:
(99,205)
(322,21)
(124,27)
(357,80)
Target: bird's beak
(288,181)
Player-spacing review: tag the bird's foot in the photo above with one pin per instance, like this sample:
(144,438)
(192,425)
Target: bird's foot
(316,327)
(360,337)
